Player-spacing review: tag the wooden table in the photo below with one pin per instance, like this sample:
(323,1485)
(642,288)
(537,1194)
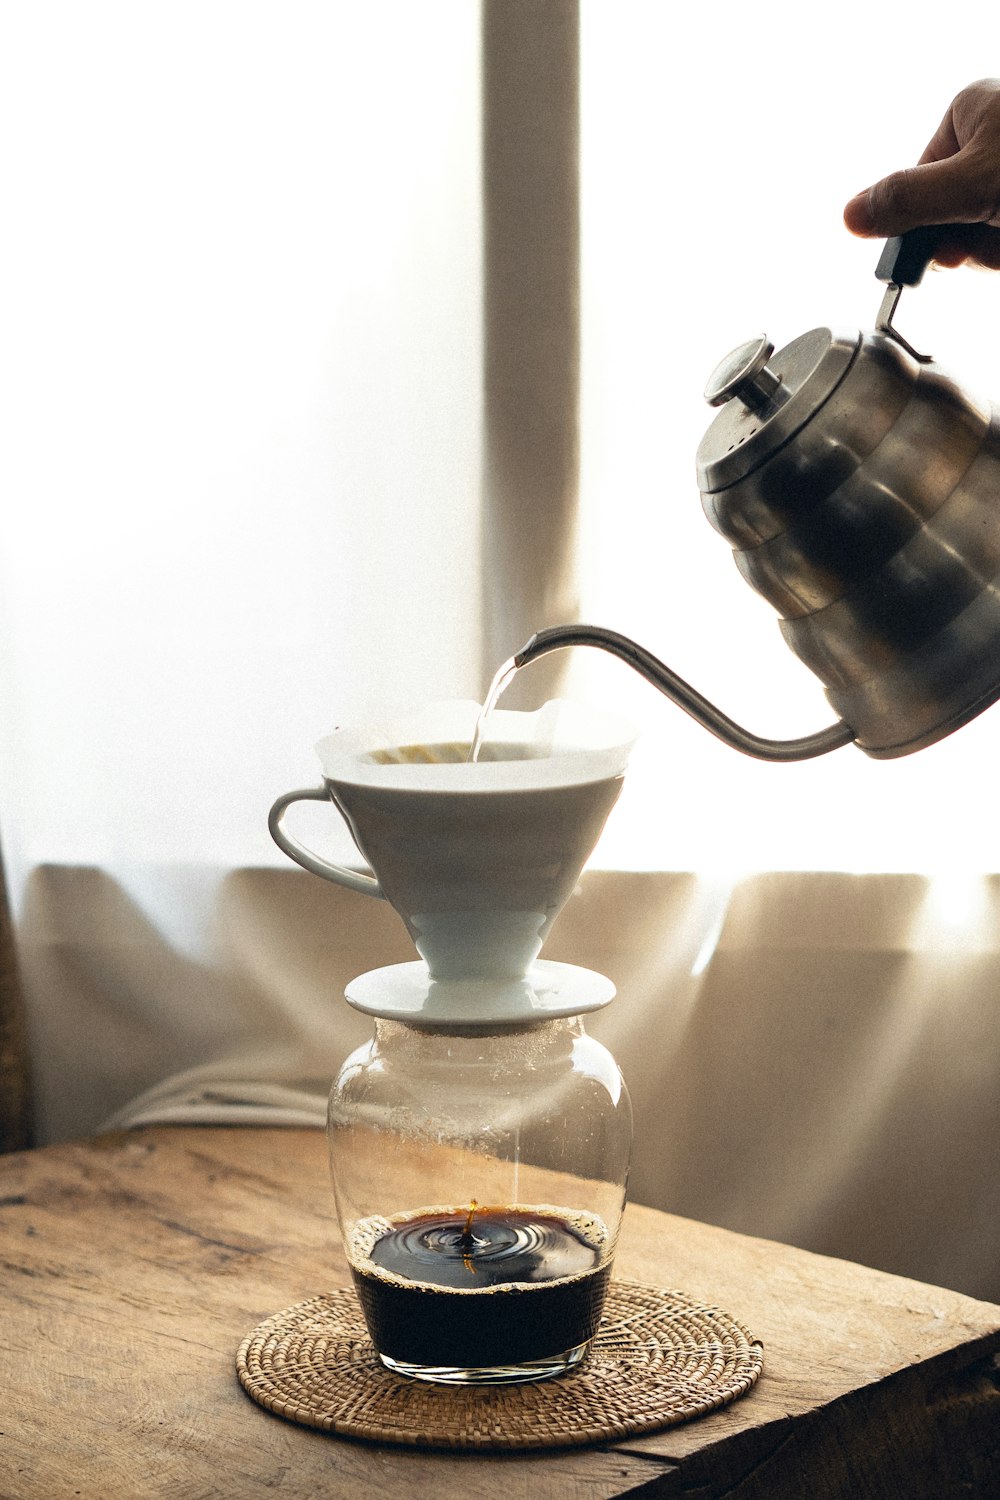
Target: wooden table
(134,1264)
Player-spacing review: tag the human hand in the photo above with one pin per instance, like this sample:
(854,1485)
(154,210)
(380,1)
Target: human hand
(957,181)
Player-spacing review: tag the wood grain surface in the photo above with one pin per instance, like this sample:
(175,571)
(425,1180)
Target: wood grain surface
(133,1265)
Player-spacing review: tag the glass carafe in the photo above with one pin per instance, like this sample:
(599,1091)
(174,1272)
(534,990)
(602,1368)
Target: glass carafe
(480,1180)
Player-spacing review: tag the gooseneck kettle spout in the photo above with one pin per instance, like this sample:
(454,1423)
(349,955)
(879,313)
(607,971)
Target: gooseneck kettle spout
(683,694)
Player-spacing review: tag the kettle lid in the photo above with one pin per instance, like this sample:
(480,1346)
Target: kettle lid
(765,398)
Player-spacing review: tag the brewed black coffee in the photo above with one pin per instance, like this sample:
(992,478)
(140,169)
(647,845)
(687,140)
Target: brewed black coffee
(483,1287)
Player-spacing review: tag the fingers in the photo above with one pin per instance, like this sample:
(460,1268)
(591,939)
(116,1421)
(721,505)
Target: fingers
(944,142)
(957,179)
(936,192)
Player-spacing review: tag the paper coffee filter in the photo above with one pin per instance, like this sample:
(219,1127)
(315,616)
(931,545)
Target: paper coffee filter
(426,748)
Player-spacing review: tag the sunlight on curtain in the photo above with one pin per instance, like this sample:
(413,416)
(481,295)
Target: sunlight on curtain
(242,407)
(716,158)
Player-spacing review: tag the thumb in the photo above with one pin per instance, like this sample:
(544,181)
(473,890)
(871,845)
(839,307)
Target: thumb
(937,192)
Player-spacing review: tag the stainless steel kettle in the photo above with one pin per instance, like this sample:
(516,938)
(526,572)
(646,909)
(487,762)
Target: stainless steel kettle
(859,486)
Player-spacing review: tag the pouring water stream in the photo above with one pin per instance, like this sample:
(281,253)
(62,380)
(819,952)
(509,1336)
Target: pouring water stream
(503,677)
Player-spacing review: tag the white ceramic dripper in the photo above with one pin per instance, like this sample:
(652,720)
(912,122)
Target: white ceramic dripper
(477,859)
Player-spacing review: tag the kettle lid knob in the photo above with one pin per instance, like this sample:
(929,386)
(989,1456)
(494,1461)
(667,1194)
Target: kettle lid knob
(745,373)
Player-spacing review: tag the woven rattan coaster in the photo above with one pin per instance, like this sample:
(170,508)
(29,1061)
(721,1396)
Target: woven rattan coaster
(659,1358)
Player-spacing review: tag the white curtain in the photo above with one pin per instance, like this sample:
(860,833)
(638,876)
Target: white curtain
(243,355)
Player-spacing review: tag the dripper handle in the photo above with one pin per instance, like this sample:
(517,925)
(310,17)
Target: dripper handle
(314,863)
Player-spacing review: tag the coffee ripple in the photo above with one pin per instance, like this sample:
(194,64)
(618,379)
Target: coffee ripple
(486,1247)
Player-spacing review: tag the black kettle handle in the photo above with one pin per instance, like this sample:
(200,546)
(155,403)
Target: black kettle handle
(905,257)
